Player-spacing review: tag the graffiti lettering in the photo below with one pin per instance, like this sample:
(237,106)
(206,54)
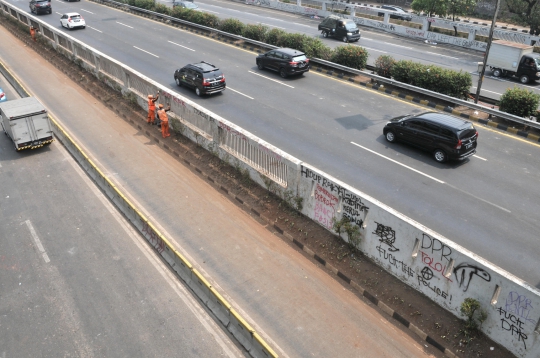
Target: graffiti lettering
(436,247)
(513,325)
(153,238)
(311,175)
(387,236)
(325,206)
(465,272)
(519,305)
(231,130)
(426,283)
(395,262)
(415,33)
(437,266)
(269,152)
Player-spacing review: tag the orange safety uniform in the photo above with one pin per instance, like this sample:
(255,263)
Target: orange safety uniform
(151,110)
(164,123)
(33,33)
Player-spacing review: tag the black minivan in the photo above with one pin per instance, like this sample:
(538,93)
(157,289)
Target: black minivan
(445,136)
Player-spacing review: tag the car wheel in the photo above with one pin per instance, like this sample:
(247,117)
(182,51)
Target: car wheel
(282,73)
(345,39)
(260,65)
(439,155)
(325,34)
(84,27)
(50,11)
(198,91)
(61,24)
(390,136)
(524,79)
(497,72)
(178,82)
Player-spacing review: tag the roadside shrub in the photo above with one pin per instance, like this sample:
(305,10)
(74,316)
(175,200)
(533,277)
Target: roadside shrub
(255,32)
(384,65)
(162,9)
(211,20)
(433,78)
(274,36)
(520,102)
(314,47)
(350,56)
(474,315)
(232,26)
(295,41)
(143,4)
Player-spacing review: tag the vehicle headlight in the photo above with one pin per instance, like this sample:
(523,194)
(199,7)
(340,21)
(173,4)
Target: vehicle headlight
(349,33)
(537,74)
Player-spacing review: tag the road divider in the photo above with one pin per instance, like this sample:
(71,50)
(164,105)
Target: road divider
(445,272)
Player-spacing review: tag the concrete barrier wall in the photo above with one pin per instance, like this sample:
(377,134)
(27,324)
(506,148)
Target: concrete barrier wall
(423,259)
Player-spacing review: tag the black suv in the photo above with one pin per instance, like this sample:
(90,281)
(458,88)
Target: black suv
(284,60)
(445,136)
(203,76)
(398,12)
(40,6)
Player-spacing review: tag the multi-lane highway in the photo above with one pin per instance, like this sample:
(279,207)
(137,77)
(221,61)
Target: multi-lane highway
(299,309)
(486,204)
(76,280)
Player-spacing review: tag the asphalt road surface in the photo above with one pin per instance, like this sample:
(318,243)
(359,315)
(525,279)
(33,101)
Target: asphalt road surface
(76,280)
(297,307)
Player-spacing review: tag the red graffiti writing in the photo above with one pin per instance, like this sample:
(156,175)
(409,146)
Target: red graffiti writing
(435,266)
(153,238)
(231,130)
(324,209)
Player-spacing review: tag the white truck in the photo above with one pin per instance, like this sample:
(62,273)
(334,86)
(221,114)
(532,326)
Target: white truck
(26,123)
(513,59)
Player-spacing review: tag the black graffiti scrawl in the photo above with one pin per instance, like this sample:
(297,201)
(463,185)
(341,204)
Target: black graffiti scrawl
(387,236)
(465,272)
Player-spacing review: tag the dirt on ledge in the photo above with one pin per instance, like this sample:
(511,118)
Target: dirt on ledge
(443,327)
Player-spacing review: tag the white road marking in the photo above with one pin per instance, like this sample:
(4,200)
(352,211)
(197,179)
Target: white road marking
(296,23)
(372,49)
(395,161)
(59,13)
(215,12)
(488,91)
(94,28)
(271,79)
(409,48)
(477,198)
(279,27)
(150,53)
(37,241)
(484,159)
(124,24)
(268,17)
(174,43)
(87,11)
(245,95)
(438,54)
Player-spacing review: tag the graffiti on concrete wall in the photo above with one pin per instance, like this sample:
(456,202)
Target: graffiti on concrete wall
(466,272)
(457,41)
(153,238)
(231,130)
(415,32)
(395,262)
(520,306)
(513,325)
(386,236)
(325,206)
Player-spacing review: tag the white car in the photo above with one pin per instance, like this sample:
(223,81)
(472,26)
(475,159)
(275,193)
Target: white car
(71,20)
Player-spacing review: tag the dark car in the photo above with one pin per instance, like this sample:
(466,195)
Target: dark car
(397,12)
(186,4)
(40,7)
(340,28)
(286,61)
(204,77)
(445,136)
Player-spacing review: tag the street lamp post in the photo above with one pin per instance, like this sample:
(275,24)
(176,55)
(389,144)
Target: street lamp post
(490,38)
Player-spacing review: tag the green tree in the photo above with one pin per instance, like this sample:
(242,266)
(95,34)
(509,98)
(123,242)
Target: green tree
(527,11)
(430,7)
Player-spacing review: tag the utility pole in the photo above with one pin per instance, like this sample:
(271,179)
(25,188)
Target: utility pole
(490,38)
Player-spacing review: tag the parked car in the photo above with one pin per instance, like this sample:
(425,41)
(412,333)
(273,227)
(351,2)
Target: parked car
(445,136)
(186,5)
(340,28)
(72,20)
(40,7)
(286,61)
(204,77)
(398,12)
(3,96)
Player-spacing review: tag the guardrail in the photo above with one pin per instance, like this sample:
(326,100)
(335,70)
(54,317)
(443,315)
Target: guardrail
(345,70)
(445,272)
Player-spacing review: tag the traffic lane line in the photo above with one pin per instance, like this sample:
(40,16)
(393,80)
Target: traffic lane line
(271,79)
(438,54)
(484,159)
(88,11)
(245,95)
(174,43)
(433,178)
(279,27)
(124,24)
(150,53)
(37,241)
(90,27)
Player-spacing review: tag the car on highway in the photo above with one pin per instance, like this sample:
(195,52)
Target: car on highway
(72,20)
(286,61)
(3,96)
(186,5)
(445,136)
(339,28)
(398,12)
(204,77)
(40,6)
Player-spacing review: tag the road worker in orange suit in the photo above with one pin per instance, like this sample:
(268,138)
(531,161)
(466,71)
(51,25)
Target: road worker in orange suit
(33,33)
(162,114)
(152,108)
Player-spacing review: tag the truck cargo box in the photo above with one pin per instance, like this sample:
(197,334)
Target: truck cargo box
(26,122)
(506,55)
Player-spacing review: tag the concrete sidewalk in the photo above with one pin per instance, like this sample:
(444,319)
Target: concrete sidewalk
(299,309)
